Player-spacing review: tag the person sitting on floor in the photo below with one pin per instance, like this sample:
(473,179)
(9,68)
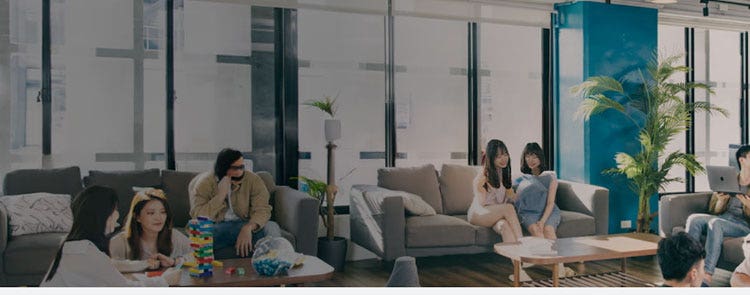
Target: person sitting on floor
(682,261)
(82,260)
(148,234)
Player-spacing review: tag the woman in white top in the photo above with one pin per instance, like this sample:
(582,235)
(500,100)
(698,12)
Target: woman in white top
(148,234)
(493,195)
(82,261)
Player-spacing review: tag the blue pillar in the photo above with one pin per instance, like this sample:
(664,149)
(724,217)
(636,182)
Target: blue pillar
(595,39)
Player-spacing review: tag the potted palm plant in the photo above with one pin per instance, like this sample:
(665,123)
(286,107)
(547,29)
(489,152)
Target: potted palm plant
(331,249)
(660,113)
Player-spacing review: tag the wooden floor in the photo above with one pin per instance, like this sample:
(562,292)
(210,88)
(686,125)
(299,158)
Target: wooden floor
(476,270)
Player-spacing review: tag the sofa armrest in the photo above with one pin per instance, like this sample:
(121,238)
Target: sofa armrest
(584,198)
(377,221)
(675,209)
(394,223)
(297,213)
(3,230)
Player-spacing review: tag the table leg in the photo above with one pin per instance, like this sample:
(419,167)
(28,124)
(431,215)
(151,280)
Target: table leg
(624,265)
(516,273)
(556,275)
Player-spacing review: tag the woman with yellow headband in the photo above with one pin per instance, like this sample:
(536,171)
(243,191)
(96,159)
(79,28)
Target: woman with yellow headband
(148,235)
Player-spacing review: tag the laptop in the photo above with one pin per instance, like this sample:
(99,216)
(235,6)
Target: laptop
(723,179)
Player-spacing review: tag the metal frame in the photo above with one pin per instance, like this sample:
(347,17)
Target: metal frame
(744,95)
(473,93)
(390,90)
(690,98)
(548,101)
(46,92)
(286,84)
(170,94)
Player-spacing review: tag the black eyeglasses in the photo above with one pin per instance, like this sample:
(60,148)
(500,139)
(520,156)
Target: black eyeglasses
(238,167)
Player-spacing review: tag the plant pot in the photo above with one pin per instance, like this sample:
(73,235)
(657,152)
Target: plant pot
(332,129)
(333,251)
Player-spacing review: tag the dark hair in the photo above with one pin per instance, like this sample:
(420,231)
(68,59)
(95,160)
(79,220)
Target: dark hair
(532,148)
(224,160)
(741,152)
(91,209)
(494,147)
(134,230)
(677,254)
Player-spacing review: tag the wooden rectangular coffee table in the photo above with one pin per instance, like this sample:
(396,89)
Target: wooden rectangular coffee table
(578,249)
(312,270)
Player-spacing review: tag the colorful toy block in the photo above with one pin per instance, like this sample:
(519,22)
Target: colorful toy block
(200,231)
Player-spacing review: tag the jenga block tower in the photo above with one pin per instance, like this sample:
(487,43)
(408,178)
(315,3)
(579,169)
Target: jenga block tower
(202,242)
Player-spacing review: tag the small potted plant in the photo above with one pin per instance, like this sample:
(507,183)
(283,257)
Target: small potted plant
(332,126)
(331,249)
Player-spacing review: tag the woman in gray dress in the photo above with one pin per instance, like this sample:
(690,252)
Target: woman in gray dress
(535,191)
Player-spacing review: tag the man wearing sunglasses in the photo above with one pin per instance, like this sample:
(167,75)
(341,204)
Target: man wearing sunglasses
(236,200)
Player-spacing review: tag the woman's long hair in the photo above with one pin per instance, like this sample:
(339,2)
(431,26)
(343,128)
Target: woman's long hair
(91,209)
(134,230)
(533,148)
(494,148)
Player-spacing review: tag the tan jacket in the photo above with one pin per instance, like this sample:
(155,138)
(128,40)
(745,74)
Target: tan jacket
(250,202)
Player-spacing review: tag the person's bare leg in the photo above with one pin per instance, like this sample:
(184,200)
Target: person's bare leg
(549,233)
(505,231)
(509,212)
(534,230)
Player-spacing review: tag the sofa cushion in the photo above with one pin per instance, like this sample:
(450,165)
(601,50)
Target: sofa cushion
(456,187)
(56,181)
(268,181)
(175,186)
(574,224)
(485,236)
(123,182)
(421,181)
(32,254)
(413,204)
(438,231)
(731,252)
(37,213)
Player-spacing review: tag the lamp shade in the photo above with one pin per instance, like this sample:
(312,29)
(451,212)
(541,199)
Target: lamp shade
(332,129)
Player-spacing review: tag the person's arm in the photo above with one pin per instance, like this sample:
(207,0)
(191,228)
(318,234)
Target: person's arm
(551,193)
(119,253)
(260,209)
(480,193)
(182,250)
(98,267)
(739,280)
(204,199)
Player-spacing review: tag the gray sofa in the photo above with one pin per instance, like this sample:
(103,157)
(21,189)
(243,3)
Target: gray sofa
(25,259)
(384,228)
(673,213)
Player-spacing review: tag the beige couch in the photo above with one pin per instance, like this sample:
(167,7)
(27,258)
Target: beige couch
(385,229)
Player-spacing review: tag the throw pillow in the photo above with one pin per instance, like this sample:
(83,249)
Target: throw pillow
(38,213)
(413,204)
